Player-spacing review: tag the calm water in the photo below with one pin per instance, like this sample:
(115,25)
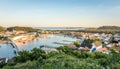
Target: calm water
(50,40)
(6,50)
(60,28)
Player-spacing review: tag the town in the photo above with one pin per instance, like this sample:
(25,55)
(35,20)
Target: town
(12,38)
(59,34)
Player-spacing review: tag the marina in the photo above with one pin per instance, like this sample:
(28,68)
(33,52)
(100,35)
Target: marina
(49,40)
(59,34)
(45,42)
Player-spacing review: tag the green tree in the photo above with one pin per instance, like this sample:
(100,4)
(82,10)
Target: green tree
(77,44)
(36,53)
(37,34)
(23,56)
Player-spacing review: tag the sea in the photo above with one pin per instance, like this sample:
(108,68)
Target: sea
(60,28)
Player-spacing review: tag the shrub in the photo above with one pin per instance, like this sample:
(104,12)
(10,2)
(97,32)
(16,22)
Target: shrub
(77,44)
(66,59)
(23,56)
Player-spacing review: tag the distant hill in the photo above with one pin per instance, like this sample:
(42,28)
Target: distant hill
(109,28)
(2,28)
(18,28)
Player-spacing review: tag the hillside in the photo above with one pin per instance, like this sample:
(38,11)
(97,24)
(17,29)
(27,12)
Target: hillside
(2,29)
(109,28)
(64,59)
(18,28)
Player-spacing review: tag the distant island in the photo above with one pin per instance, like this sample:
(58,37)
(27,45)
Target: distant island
(17,28)
(105,29)
(109,28)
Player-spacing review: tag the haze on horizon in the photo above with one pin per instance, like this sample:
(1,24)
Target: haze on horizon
(59,13)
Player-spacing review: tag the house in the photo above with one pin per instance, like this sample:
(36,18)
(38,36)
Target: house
(116,37)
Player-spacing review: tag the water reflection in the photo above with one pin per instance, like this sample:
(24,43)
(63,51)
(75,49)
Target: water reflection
(50,40)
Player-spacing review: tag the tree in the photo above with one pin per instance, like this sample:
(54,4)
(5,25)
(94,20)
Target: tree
(36,53)
(37,34)
(23,56)
(77,44)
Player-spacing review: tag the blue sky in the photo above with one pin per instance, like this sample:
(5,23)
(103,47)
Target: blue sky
(59,13)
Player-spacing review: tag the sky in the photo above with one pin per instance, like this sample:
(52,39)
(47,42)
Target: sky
(59,13)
